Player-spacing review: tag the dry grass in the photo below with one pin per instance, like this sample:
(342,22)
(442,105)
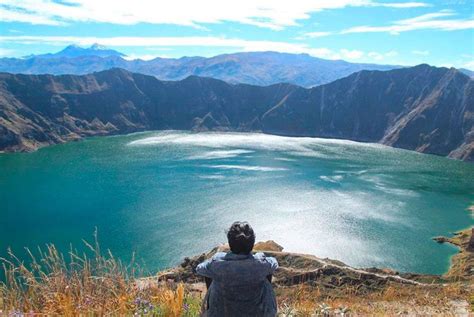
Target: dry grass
(93,283)
(396,299)
(88,283)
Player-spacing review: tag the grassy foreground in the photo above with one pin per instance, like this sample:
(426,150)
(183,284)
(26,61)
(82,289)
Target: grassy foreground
(96,283)
(92,283)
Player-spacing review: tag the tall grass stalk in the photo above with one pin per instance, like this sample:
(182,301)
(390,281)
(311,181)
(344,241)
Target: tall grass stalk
(88,282)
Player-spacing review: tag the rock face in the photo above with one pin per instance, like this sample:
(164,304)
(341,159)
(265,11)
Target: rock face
(295,269)
(470,244)
(427,109)
(462,264)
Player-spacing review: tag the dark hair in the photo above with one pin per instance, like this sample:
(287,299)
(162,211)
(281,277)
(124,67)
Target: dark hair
(241,237)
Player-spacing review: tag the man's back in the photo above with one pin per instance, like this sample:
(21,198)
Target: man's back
(240,284)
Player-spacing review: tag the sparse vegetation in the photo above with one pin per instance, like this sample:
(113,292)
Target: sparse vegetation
(306,300)
(97,283)
(87,283)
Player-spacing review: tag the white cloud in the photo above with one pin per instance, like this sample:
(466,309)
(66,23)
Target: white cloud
(376,56)
(4,52)
(312,35)
(401,5)
(351,54)
(438,20)
(274,14)
(144,57)
(18,16)
(391,54)
(194,41)
(469,65)
(381,56)
(422,53)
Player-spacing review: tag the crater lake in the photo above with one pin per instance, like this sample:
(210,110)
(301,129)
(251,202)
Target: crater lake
(170,194)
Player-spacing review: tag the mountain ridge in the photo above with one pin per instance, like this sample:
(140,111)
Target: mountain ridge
(423,108)
(72,51)
(257,68)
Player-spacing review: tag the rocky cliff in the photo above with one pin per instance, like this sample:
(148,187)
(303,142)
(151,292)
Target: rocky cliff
(303,278)
(423,108)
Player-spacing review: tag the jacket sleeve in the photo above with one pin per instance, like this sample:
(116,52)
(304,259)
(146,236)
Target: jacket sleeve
(270,263)
(204,268)
(273,264)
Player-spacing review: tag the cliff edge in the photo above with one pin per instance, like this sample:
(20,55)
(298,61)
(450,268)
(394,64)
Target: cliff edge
(304,279)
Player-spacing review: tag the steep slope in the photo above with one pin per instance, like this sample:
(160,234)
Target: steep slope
(423,108)
(256,68)
(43,109)
(468,72)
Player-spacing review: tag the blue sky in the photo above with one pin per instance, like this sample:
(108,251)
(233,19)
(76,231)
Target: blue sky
(377,31)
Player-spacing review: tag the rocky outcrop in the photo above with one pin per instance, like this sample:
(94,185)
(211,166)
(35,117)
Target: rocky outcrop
(298,269)
(470,244)
(462,264)
(426,109)
(332,275)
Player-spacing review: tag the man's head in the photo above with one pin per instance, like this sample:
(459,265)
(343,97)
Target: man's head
(241,237)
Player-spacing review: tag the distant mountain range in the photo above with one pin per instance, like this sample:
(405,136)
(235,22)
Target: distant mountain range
(256,68)
(468,72)
(422,108)
(72,51)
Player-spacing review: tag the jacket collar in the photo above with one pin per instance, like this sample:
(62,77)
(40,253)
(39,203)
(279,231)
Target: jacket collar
(235,257)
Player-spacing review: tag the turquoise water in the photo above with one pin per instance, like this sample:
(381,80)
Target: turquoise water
(166,195)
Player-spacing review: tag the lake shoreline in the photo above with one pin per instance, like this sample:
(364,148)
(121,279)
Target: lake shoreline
(73,137)
(461,264)
(364,290)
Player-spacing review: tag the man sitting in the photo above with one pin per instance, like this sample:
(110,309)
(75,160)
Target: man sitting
(239,282)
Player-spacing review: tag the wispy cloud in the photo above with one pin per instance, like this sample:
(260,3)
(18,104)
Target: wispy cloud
(400,5)
(381,56)
(196,41)
(469,65)
(273,14)
(438,21)
(9,14)
(6,52)
(167,42)
(467,61)
(312,35)
(351,54)
(144,57)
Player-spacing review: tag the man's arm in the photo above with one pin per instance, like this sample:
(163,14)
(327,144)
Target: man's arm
(270,264)
(273,267)
(273,264)
(204,269)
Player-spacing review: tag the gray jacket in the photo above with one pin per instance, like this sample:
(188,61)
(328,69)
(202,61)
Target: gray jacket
(239,284)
